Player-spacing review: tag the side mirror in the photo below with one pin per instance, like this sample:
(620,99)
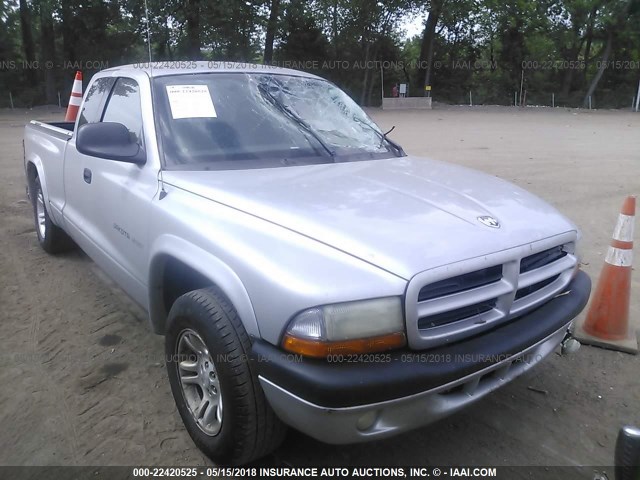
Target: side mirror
(109,140)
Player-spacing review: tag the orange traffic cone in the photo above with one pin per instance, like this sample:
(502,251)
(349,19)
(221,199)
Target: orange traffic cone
(607,323)
(75,99)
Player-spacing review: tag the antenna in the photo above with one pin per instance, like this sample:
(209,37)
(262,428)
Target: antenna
(163,192)
(146,13)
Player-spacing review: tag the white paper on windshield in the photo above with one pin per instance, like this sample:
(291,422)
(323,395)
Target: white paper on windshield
(190,101)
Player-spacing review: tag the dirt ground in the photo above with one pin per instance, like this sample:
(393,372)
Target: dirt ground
(81,375)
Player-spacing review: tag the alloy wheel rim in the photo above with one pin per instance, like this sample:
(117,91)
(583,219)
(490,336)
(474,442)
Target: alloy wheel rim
(199,382)
(42,225)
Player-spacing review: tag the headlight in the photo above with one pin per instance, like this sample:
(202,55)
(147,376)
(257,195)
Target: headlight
(344,328)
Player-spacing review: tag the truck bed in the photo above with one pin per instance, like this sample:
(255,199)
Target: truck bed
(45,145)
(63,125)
(62,130)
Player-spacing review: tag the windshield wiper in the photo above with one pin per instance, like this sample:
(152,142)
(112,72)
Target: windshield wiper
(293,116)
(383,137)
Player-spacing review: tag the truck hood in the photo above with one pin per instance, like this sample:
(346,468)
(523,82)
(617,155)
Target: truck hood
(404,215)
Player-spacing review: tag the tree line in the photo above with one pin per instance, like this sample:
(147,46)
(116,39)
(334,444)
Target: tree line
(569,52)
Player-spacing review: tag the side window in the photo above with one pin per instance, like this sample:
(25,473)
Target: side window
(124,107)
(93,102)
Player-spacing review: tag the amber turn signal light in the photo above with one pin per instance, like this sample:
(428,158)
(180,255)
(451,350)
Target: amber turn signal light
(320,349)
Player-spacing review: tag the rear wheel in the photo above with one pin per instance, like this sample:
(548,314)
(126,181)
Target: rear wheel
(214,384)
(50,237)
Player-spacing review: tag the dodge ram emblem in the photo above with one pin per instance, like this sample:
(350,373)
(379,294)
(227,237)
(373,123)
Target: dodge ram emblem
(489,221)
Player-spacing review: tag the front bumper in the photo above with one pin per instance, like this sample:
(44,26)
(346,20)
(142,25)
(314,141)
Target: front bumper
(360,399)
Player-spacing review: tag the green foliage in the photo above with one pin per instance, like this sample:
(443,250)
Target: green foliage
(302,38)
(493,48)
(496,49)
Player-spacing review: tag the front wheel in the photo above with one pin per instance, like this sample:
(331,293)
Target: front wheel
(213,382)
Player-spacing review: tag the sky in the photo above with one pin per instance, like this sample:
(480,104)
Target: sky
(413,25)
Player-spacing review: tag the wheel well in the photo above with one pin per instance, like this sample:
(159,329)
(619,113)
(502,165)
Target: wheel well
(32,173)
(170,277)
(178,279)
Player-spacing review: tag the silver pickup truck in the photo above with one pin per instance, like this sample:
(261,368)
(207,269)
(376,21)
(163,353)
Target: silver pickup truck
(303,269)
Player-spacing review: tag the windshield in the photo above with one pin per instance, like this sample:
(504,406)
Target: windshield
(246,120)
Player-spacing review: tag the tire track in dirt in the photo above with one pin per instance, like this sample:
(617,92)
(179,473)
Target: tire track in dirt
(33,342)
(103,419)
(50,347)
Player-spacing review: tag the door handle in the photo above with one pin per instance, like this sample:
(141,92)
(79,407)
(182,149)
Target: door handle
(87,175)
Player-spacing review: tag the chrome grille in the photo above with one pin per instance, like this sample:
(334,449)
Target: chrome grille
(457,314)
(457,301)
(541,259)
(461,283)
(523,292)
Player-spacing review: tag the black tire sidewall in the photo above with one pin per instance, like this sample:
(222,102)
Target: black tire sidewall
(187,313)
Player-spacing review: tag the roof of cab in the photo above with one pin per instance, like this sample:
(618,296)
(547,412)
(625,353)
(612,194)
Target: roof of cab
(188,67)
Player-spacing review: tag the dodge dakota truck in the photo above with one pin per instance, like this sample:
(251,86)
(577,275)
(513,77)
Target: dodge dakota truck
(304,270)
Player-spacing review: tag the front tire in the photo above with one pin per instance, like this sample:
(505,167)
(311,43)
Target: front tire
(50,237)
(214,384)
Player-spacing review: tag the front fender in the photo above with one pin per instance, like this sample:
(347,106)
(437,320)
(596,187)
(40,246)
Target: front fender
(170,246)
